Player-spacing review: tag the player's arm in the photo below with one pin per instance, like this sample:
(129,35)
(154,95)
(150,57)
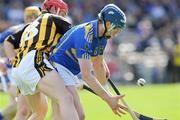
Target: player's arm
(5,34)
(9,50)
(83,54)
(12,42)
(100,69)
(85,66)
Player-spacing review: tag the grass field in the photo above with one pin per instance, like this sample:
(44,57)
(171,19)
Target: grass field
(161,101)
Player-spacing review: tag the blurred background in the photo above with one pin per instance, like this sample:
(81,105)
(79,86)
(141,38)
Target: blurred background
(149,47)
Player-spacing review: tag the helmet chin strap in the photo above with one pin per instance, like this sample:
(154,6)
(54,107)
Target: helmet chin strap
(104,24)
(107,30)
(112,27)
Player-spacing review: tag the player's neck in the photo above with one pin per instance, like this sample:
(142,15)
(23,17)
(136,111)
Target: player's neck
(101,29)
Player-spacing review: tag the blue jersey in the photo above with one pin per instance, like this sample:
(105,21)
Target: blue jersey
(81,41)
(10,31)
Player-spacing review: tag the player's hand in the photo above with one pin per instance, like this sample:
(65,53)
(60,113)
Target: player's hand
(116,107)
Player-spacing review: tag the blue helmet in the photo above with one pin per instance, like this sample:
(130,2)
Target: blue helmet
(113,14)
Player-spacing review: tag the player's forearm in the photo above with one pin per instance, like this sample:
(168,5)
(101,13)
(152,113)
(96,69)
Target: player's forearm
(9,50)
(91,80)
(99,69)
(96,86)
(100,73)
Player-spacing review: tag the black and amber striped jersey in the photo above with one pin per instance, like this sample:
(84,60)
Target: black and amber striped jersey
(15,37)
(10,35)
(41,35)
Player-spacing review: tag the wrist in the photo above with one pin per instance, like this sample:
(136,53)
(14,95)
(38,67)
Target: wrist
(106,97)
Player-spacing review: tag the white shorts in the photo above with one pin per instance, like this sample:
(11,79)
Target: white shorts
(31,69)
(68,77)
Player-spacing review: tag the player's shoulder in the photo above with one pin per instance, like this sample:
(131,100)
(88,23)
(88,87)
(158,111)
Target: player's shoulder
(9,31)
(20,27)
(86,27)
(60,19)
(91,26)
(90,30)
(14,28)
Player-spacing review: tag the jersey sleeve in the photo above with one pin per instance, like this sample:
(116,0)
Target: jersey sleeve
(4,35)
(86,44)
(15,38)
(61,23)
(82,46)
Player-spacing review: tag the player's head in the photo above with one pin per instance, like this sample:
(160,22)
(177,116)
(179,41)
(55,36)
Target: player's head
(58,7)
(31,13)
(113,19)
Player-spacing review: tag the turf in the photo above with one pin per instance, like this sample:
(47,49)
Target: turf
(161,101)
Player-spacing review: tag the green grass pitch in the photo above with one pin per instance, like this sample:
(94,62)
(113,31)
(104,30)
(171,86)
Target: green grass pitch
(161,101)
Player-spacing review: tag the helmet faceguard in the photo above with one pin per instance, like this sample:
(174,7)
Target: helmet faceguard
(57,5)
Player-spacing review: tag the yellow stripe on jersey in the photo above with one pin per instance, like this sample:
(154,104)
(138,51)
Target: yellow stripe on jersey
(56,39)
(53,31)
(29,44)
(16,59)
(73,51)
(39,57)
(69,54)
(88,28)
(92,57)
(42,31)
